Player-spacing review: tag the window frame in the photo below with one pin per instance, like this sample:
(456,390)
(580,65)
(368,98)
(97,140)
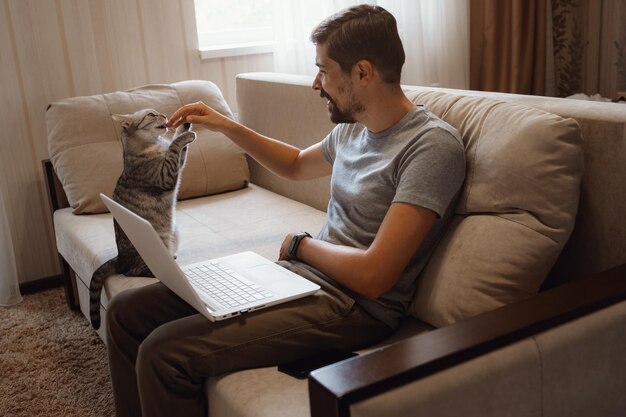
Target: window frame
(236,42)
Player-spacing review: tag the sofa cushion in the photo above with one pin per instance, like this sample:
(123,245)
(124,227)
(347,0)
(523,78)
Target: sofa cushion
(262,392)
(516,210)
(265,392)
(86,152)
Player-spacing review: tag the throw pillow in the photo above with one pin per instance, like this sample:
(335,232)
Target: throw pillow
(515,212)
(86,152)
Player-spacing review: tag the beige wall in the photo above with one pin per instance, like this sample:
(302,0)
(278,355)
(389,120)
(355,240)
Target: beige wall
(51,49)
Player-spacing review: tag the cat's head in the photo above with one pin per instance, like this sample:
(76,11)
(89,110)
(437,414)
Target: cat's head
(148,120)
(142,128)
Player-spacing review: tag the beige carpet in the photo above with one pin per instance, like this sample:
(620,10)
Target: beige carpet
(51,362)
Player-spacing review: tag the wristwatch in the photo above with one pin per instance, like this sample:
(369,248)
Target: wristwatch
(295,242)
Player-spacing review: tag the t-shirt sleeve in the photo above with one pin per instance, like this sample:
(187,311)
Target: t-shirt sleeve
(431,171)
(329,144)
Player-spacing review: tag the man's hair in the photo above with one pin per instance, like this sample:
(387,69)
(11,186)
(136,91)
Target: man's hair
(363,32)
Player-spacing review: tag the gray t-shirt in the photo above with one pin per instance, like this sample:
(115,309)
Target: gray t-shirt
(421,161)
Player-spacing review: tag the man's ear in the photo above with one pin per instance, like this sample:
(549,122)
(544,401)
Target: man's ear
(365,70)
(123,119)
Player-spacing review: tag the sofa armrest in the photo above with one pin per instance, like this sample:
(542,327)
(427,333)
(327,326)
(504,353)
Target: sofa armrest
(332,390)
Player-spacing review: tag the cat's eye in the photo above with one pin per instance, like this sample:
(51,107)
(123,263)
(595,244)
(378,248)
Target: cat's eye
(152,115)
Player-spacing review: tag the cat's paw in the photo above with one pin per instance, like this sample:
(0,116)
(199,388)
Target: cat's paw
(185,127)
(186,137)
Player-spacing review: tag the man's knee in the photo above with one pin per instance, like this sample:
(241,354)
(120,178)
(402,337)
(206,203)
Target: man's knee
(165,359)
(150,354)
(119,307)
(124,309)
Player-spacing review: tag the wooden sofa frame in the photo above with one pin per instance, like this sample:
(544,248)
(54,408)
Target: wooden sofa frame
(57,200)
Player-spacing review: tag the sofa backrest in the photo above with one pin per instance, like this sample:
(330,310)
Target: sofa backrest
(598,240)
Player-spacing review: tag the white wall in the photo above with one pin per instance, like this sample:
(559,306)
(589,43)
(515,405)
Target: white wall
(52,49)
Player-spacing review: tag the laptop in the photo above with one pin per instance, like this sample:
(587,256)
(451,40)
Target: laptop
(219,288)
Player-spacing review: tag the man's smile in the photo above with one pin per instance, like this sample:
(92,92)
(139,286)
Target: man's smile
(329,100)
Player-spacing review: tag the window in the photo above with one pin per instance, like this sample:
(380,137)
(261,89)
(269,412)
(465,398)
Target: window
(235,27)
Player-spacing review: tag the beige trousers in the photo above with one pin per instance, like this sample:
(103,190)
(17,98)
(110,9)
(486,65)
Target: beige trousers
(161,350)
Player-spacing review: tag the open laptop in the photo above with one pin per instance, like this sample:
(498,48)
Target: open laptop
(219,288)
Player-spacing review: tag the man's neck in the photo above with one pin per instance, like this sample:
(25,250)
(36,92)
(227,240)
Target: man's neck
(384,109)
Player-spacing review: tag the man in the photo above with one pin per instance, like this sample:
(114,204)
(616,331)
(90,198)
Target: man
(396,171)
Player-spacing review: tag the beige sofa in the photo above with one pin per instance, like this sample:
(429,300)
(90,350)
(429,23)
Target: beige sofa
(481,339)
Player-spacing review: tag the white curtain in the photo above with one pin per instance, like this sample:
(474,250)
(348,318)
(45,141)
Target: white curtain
(435,35)
(9,286)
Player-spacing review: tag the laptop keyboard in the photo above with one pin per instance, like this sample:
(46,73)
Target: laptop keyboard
(224,285)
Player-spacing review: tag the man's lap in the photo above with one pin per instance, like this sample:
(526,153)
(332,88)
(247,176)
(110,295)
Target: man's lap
(172,329)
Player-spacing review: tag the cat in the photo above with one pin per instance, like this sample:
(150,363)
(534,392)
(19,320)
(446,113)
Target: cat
(148,186)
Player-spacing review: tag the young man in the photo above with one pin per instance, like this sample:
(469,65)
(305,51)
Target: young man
(396,170)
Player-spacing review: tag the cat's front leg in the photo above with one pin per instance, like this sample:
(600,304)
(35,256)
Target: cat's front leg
(185,136)
(183,157)
(185,139)
(172,164)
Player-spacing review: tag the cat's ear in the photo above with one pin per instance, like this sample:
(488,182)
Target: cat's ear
(123,119)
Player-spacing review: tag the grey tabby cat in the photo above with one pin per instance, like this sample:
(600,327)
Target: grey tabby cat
(148,186)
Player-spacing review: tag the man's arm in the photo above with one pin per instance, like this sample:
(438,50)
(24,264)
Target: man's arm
(373,271)
(282,159)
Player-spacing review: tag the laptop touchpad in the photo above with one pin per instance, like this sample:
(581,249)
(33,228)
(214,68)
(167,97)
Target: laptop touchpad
(267,273)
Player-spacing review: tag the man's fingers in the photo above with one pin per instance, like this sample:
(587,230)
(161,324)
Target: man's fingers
(193,119)
(180,115)
(176,119)
(189,113)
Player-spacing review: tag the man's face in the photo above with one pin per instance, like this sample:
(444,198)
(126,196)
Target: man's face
(336,86)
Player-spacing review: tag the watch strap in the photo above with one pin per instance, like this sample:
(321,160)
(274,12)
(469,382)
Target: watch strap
(295,242)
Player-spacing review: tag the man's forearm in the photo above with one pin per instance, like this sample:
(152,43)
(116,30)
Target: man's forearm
(281,158)
(375,270)
(276,156)
(354,268)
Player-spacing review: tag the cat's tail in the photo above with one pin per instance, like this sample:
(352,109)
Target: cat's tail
(95,289)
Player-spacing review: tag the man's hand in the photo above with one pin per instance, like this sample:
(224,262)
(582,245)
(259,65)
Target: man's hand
(284,248)
(199,113)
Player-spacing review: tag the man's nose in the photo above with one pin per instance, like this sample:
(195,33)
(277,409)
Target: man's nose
(316,83)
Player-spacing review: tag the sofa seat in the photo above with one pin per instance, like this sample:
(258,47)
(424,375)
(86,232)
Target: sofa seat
(264,392)
(251,218)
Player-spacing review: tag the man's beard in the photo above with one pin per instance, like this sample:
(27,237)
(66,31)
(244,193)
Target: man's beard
(342,116)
